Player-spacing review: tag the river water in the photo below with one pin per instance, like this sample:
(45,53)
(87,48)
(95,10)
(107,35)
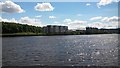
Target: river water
(69,50)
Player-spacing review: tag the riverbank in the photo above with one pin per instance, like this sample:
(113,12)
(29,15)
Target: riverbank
(37,34)
(34,34)
(22,34)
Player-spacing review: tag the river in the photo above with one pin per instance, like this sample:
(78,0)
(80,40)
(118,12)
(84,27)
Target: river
(68,50)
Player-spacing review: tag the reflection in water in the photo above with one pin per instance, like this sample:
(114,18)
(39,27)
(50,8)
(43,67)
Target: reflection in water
(72,50)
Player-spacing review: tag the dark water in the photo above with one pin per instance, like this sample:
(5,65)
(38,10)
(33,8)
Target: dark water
(72,50)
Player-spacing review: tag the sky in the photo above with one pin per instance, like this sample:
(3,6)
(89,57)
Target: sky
(75,15)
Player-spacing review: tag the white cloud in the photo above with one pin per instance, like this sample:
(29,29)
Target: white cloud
(24,20)
(44,7)
(88,4)
(38,16)
(105,2)
(96,18)
(13,20)
(56,23)
(111,19)
(52,17)
(97,24)
(67,20)
(75,24)
(105,19)
(105,22)
(10,7)
(30,21)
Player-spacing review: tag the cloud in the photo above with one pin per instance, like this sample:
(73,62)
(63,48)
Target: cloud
(67,20)
(103,25)
(24,20)
(97,24)
(44,7)
(105,2)
(75,24)
(10,7)
(105,19)
(30,21)
(100,22)
(56,23)
(96,18)
(13,20)
(105,22)
(111,19)
(38,16)
(52,17)
(88,4)
(114,21)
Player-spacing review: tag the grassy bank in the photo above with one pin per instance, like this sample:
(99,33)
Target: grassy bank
(22,34)
(35,34)
(39,34)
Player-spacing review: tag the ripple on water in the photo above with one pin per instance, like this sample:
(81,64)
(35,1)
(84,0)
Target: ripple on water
(69,59)
(82,49)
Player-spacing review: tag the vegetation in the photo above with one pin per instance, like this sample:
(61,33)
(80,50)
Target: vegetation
(9,27)
(16,29)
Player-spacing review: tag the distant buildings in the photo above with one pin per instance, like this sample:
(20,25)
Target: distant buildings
(81,31)
(55,29)
(109,30)
(92,30)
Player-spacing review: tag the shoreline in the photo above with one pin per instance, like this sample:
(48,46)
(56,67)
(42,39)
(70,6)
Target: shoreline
(19,35)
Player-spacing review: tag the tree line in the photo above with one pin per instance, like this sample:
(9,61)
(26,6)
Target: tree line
(11,27)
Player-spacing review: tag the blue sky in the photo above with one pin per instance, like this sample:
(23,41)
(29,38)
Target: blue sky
(74,14)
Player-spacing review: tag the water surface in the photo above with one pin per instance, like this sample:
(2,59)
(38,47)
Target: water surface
(71,50)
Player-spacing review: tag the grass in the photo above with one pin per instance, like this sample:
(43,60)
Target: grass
(23,34)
